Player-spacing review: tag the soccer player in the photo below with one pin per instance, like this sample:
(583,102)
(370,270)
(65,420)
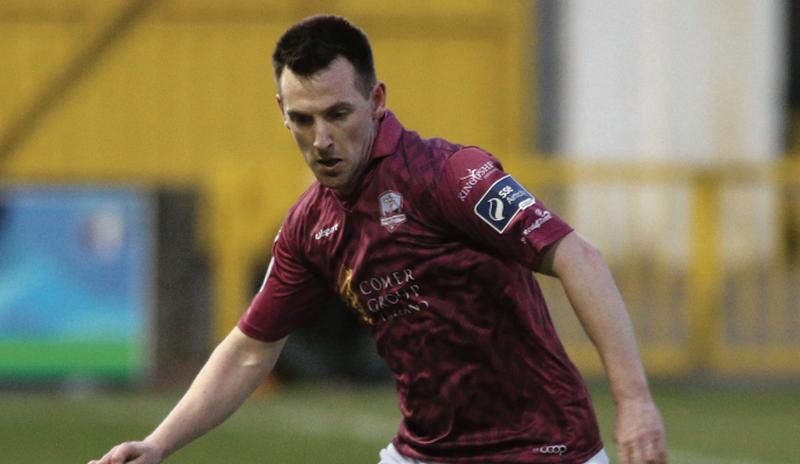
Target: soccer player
(432,245)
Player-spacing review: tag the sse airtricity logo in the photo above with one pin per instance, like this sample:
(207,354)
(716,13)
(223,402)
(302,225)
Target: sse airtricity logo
(502,202)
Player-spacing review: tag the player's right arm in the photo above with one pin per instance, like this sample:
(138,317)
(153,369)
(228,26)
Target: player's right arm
(236,367)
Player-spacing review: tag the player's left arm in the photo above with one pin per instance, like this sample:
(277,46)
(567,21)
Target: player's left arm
(591,290)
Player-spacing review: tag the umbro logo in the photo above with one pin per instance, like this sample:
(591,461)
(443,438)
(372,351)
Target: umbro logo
(326,232)
(552,449)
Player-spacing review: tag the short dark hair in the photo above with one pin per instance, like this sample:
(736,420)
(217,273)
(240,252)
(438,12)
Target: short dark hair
(311,45)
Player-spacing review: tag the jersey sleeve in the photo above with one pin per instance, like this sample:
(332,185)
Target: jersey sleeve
(291,292)
(492,208)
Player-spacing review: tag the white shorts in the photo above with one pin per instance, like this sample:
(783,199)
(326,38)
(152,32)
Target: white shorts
(390,455)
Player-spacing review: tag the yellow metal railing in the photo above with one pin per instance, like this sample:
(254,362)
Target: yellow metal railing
(727,309)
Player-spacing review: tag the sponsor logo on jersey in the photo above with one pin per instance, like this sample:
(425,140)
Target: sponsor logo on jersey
(551,449)
(387,296)
(473,177)
(350,298)
(393,295)
(391,206)
(326,232)
(542,216)
(501,203)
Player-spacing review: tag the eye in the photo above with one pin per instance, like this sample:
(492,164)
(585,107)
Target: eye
(338,115)
(301,119)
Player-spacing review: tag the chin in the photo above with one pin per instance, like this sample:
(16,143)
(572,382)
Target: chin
(331,185)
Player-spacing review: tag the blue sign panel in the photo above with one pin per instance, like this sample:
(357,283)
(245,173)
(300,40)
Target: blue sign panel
(75,282)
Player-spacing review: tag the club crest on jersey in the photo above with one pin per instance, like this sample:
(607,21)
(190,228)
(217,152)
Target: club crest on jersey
(391,205)
(501,203)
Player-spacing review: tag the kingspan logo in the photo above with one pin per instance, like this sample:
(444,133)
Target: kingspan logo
(473,177)
(551,449)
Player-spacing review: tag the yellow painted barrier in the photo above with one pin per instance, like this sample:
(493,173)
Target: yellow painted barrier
(184,99)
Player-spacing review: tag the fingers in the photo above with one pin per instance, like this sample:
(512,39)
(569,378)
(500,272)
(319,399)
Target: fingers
(622,454)
(106,459)
(655,449)
(640,434)
(636,453)
(140,460)
(625,453)
(120,454)
(647,449)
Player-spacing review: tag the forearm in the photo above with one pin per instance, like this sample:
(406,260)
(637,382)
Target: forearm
(229,376)
(598,305)
(605,319)
(587,281)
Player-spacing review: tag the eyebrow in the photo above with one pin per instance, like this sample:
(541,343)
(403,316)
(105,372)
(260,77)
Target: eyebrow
(335,107)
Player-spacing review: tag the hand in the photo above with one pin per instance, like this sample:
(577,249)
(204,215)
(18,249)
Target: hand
(132,452)
(639,433)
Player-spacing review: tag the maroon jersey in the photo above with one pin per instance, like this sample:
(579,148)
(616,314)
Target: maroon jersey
(435,253)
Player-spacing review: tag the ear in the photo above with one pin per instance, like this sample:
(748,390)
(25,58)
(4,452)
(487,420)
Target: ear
(279,101)
(378,99)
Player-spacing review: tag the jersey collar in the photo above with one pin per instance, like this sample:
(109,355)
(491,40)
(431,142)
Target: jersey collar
(389,132)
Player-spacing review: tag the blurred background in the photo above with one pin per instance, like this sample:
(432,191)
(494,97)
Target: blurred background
(144,171)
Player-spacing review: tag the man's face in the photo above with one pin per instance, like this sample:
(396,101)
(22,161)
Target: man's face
(333,123)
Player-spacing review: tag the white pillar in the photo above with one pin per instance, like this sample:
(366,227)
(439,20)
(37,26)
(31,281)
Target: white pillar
(689,81)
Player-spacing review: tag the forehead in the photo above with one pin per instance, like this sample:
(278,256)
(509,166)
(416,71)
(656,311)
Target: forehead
(309,94)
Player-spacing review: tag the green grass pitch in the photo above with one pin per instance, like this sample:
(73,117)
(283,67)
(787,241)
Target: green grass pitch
(340,424)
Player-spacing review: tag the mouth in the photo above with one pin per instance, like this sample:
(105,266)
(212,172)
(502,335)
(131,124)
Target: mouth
(329,162)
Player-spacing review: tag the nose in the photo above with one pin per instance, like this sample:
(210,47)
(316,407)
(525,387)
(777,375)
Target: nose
(322,137)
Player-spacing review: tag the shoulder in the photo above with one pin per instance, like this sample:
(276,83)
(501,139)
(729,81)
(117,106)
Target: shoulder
(304,213)
(428,152)
(464,169)
(436,163)
(446,171)
(427,160)
(470,159)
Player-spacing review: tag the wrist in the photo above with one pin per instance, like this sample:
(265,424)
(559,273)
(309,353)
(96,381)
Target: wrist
(631,391)
(157,446)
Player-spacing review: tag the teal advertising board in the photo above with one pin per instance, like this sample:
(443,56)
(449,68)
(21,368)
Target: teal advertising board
(75,283)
